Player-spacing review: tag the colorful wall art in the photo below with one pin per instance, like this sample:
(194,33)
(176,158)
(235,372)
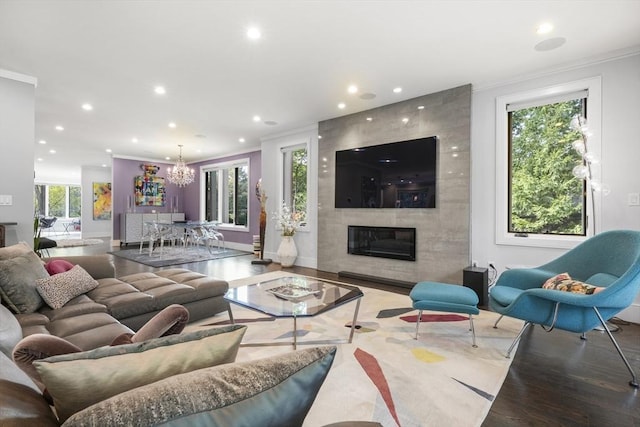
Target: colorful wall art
(149,189)
(101,201)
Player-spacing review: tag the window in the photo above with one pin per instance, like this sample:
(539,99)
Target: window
(539,202)
(294,177)
(544,195)
(227,193)
(62,201)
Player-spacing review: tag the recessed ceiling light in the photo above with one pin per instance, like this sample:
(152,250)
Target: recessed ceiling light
(134,140)
(319,136)
(172,125)
(40,159)
(160,90)
(87,107)
(454,155)
(254,33)
(104,165)
(52,151)
(405,120)
(256,118)
(241,140)
(420,107)
(108,150)
(369,119)
(167,158)
(397,89)
(544,28)
(59,128)
(42,141)
(342,106)
(352,89)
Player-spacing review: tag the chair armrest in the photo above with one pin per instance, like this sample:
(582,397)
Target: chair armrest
(98,266)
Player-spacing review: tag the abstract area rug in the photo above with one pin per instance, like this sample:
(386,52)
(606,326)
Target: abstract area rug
(385,375)
(173,256)
(71,243)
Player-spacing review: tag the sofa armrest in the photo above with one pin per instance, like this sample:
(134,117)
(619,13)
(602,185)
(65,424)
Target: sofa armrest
(98,266)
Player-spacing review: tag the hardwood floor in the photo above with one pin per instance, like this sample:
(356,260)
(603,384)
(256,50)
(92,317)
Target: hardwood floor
(556,379)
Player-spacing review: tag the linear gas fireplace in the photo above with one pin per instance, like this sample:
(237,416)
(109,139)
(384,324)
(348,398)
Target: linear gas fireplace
(384,242)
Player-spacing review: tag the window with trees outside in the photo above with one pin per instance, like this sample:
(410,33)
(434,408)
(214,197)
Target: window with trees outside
(539,201)
(294,178)
(544,195)
(61,201)
(227,193)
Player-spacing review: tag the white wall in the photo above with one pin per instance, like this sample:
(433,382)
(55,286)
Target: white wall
(17,136)
(619,161)
(90,227)
(306,240)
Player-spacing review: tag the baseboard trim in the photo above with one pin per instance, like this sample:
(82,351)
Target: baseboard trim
(376,279)
(631,313)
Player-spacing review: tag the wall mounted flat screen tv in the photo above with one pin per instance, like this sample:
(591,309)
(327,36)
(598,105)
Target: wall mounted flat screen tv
(395,175)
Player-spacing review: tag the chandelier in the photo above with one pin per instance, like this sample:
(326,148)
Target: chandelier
(180,175)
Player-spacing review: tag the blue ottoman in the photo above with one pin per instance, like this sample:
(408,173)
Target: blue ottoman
(436,296)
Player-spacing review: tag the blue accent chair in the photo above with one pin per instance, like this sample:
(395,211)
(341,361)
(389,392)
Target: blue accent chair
(610,259)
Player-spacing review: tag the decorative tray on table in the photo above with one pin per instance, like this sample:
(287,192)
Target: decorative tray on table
(292,292)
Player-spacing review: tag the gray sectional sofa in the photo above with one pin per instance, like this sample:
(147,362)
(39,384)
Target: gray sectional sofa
(118,305)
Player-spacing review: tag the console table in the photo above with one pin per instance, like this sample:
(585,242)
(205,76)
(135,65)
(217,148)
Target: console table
(131,224)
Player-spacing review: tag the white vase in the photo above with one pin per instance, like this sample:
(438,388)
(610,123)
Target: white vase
(287,251)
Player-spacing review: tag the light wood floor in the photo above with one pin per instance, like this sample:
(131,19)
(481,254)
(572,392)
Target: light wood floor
(556,379)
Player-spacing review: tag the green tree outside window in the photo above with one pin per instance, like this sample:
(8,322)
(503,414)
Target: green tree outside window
(544,196)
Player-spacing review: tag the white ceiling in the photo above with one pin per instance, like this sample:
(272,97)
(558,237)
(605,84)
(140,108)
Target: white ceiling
(113,53)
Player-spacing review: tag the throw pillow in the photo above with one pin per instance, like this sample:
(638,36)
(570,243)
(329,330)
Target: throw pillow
(59,289)
(13,251)
(564,282)
(552,282)
(18,277)
(76,381)
(273,392)
(58,266)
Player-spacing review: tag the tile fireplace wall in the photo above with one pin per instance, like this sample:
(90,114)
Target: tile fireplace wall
(442,234)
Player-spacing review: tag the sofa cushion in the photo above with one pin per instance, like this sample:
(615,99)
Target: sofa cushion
(88,331)
(272,392)
(21,401)
(18,277)
(121,299)
(79,380)
(59,289)
(10,331)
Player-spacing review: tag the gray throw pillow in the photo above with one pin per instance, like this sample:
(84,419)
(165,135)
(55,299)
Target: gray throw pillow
(76,381)
(18,277)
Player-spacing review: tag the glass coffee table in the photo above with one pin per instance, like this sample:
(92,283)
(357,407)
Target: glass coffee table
(296,296)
